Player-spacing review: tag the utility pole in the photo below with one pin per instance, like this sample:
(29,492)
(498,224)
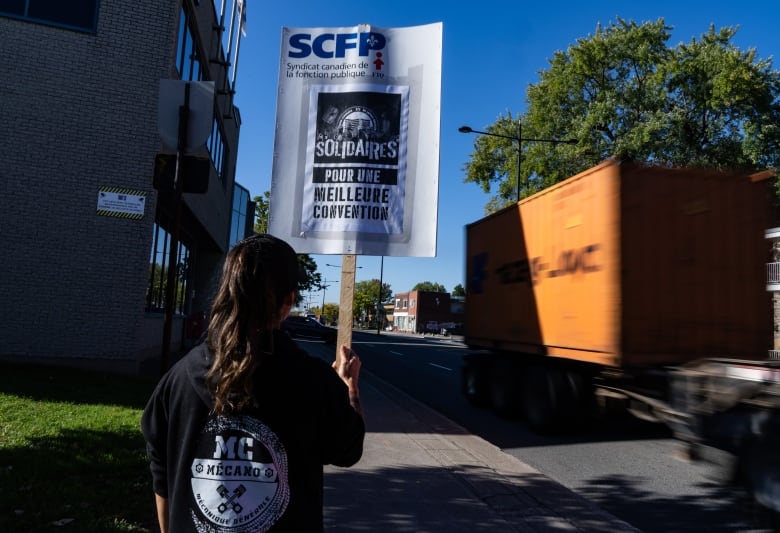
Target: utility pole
(379,308)
(173,250)
(185,122)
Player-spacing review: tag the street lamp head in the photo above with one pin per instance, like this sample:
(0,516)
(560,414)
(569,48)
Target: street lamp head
(465,129)
(338,266)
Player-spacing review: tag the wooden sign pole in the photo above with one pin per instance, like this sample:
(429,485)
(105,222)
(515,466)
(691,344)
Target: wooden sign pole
(348,267)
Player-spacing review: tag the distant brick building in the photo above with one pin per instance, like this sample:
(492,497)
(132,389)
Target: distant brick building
(82,284)
(414,309)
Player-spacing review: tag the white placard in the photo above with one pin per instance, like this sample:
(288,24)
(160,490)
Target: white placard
(120,202)
(356,154)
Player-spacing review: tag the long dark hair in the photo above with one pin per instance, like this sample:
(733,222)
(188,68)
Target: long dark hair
(258,276)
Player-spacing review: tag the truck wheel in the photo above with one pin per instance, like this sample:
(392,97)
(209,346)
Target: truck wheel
(505,389)
(539,398)
(473,381)
(555,399)
(761,470)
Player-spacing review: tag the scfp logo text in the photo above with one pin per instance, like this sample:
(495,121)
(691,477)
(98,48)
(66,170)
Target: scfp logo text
(334,45)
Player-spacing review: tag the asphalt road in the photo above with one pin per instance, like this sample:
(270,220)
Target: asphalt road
(630,468)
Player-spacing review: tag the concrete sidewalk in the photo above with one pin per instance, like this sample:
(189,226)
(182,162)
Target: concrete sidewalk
(422,472)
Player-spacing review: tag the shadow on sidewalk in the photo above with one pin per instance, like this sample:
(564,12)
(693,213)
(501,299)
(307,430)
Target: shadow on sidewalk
(436,499)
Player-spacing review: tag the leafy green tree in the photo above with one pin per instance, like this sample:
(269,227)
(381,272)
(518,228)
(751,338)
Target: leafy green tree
(313,278)
(366,297)
(459,290)
(331,313)
(308,265)
(262,211)
(726,106)
(623,92)
(429,287)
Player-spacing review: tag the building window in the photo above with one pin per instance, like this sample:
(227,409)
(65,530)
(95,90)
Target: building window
(158,273)
(187,62)
(411,304)
(239,220)
(406,304)
(216,146)
(74,14)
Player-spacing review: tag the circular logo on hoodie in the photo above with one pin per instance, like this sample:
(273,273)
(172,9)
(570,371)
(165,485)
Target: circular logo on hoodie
(239,477)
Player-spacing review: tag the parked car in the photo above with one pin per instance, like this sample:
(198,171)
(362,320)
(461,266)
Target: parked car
(306,327)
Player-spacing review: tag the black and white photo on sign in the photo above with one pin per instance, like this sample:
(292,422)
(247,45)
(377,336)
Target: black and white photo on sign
(357,146)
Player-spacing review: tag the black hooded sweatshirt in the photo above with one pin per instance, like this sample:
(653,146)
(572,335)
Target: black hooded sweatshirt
(258,470)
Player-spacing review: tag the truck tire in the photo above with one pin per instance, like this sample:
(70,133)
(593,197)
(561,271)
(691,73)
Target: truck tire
(761,471)
(539,398)
(505,388)
(555,399)
(474,381)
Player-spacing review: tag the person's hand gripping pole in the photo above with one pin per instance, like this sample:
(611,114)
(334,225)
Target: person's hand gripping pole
(347,366)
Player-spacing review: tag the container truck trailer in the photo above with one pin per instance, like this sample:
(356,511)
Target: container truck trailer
(635,284)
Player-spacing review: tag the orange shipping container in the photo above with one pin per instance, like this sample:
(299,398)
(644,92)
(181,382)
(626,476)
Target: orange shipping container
(625,265)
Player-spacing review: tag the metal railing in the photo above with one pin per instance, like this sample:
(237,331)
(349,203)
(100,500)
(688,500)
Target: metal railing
(773,273)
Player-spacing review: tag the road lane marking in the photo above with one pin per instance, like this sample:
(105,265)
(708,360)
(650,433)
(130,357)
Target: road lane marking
(395,353)
(439,366)
(417,344)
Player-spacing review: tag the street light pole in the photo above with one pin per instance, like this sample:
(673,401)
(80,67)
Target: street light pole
(519,139)
(379,308)
(339,266)
(322,309)
(519,154)
(324,286)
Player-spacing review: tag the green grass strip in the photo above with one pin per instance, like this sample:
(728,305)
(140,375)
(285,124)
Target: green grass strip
(71,451)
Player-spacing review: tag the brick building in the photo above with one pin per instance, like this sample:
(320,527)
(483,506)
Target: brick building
(414,309)
(82,283)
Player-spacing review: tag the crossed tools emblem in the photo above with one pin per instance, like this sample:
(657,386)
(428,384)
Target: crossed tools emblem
(230,499)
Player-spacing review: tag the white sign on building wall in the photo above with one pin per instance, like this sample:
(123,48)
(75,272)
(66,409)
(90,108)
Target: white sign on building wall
(121,202)
(356,154)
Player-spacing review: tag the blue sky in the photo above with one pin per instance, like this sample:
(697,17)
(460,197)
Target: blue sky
(492,51)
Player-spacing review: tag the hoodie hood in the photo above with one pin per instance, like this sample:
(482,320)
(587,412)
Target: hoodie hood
(198,362)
